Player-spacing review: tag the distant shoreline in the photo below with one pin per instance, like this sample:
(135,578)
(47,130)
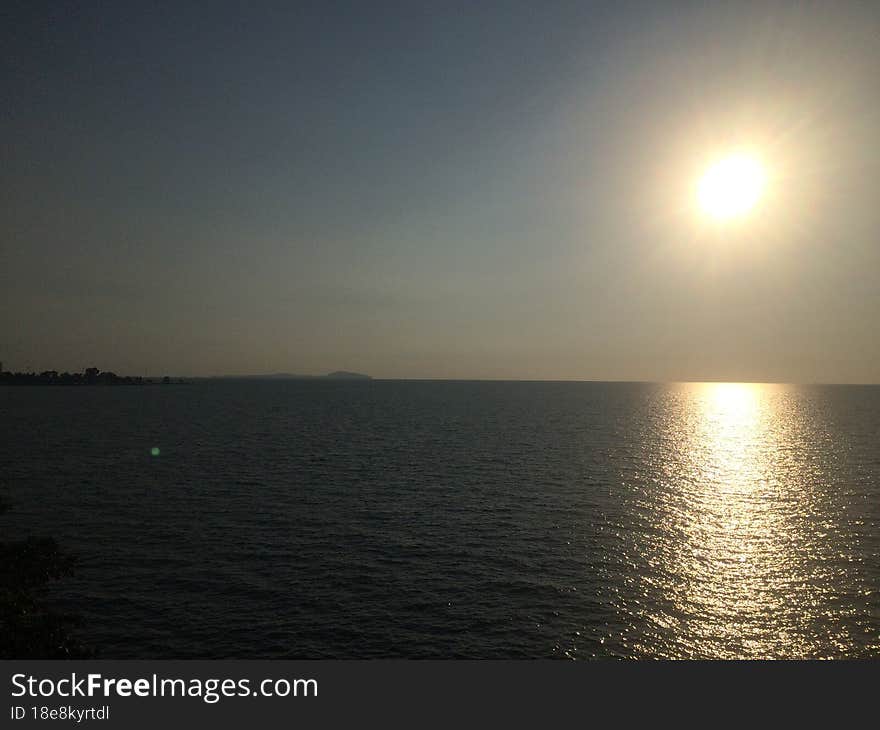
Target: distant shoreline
(91,376)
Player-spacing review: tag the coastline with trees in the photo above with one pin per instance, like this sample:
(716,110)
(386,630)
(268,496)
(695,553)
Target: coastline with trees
(90,376)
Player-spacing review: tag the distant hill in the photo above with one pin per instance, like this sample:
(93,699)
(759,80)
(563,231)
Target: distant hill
(345,375)
(335,375)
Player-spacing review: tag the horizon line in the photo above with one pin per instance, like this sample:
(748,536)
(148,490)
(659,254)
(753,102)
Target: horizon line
(306,376)
(362,377)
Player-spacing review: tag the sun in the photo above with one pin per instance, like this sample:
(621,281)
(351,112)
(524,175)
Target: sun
(731,187)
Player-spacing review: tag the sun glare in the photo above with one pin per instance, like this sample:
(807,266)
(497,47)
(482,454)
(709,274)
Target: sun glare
(731,187)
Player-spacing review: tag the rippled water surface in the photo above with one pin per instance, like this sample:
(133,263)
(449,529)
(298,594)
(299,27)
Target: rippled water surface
(455,519)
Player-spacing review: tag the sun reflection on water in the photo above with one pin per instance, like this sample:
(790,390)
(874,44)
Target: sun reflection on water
(734,528)
(742,537)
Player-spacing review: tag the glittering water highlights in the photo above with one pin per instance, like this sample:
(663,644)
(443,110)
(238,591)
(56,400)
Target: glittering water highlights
(454,519)
(755,551)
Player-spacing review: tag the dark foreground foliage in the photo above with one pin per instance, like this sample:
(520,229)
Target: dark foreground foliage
(30,629)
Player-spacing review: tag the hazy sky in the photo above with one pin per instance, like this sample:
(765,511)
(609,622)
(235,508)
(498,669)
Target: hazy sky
(439,189)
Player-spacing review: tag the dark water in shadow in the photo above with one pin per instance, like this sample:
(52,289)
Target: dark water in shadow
(455,519)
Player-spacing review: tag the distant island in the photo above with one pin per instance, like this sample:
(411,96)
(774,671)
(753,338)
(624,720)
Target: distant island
(335,375)
(90,376)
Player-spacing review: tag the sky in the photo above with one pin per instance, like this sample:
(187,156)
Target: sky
(439,190)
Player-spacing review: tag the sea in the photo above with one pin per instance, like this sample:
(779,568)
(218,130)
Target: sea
(450,519)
